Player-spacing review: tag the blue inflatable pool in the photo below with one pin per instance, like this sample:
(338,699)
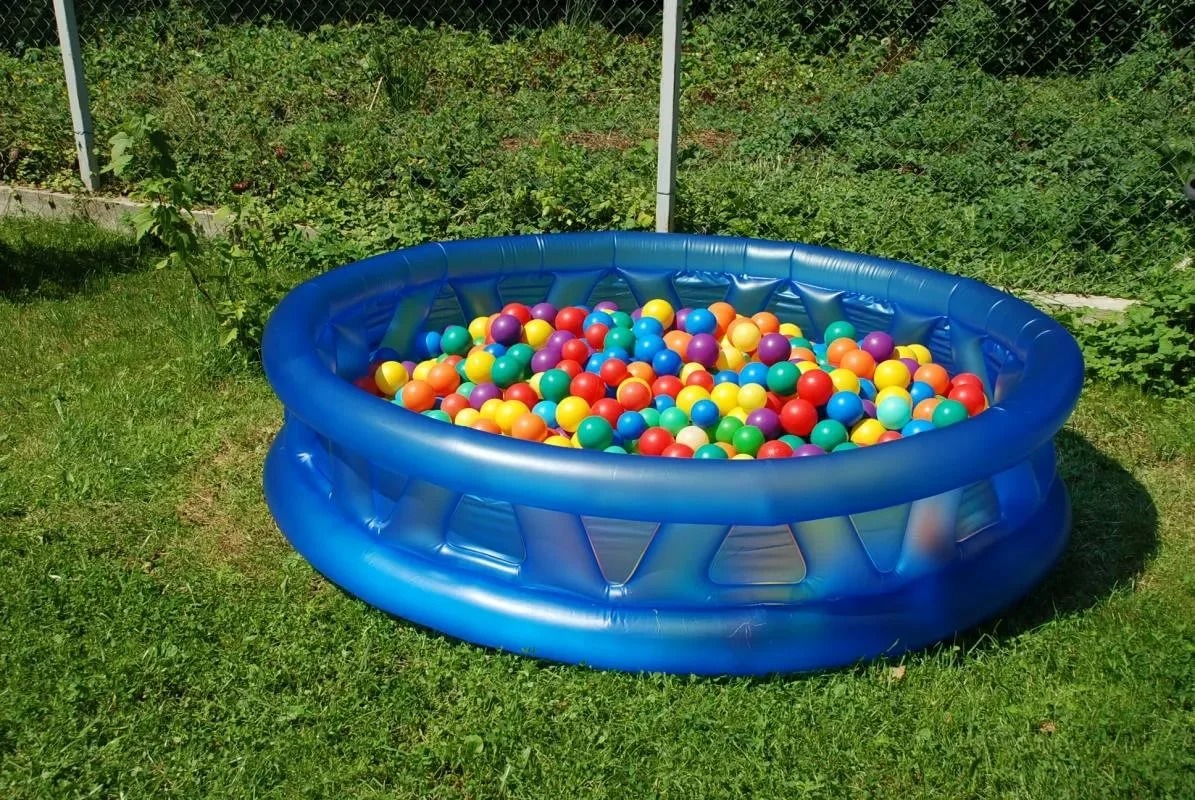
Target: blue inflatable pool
(635,563)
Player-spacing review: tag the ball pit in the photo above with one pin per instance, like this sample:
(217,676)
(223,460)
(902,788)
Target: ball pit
(775,564)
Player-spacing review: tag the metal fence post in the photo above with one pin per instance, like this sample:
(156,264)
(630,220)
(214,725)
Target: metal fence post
(76,86)
(669,107)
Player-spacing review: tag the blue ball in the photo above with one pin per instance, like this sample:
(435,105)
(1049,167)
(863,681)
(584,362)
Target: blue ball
(920,390)
(704,413)
(647,326)
(916,426)
(617,352)
(598,318)
(667,362)
(546,410)
(596,360)
(648,345)
(663,402)
(429,344)
(495,349)
(845,407)
(701,320)
(726,376)
(631,425)
(754,372)
(867,389)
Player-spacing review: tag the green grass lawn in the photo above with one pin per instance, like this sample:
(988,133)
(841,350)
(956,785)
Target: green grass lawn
(159,637)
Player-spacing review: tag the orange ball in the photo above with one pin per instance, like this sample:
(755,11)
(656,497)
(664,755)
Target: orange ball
(677,342)
(453,404)
(418,396)
(925,409)
(935,375)
(487,425)
(858,361)
(443,378)
(803,354)
(641,370)
(725,314)
(530,427)
(767,322)
(840,347)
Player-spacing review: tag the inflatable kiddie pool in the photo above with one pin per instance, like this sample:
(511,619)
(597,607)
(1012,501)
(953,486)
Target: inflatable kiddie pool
(639,563)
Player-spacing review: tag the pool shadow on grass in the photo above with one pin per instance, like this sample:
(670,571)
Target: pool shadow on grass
(1114,535)
(42,260)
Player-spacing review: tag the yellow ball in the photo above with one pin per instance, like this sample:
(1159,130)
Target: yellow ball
(537,332)
(904,351)
(844,380)
(742,457)
(692,436)
(730,357)
(894,391)
(421,369)
(557,440)
(807,366)
(570,411)
(489,409)
(738,412)
(921,353)
(661,311)
(891,373)
(479,327)
(867,431)
(478,365)
(533,382)
(790,329)
(752,396)
(690,395)
(508,412)
(466,417)
(390,376)
(689,369)
(725,397)
(745,335)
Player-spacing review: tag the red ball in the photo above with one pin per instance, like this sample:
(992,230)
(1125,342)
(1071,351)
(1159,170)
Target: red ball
(677,450)
(613,371)
(815,386)
(634,396)
(608,409)
(367,383)
(971,396)
(453,404)
(587,386)
(774,449)
(654,441)
(519,311)
(667,384)
(888,436)
(798,416)
(966,378)
(700,377)
(575,350)
(571,319)
(773,402)
(595,334)
(569,366)
(522,392)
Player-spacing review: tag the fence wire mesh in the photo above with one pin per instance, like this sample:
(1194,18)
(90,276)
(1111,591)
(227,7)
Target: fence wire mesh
(1027,143)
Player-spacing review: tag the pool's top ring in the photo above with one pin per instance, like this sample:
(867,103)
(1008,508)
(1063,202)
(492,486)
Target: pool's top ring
(304,347)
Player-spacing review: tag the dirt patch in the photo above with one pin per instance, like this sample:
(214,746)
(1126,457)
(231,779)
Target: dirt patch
(590,140)
(712,140)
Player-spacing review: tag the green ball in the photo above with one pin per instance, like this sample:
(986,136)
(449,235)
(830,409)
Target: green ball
(595,433)
(436,413)
(792,440)
(506,371)
(460,370)
(782,377)
(620,337)
(949,412)
(711,452)
(466,388)
(842,448)
(725,431)
(616,449)
(839,330)
(828,434)
(456,340)
(800,341)
(622,320)
(673,419)
(522,352)
(651,416)
(748,439)
(554,385)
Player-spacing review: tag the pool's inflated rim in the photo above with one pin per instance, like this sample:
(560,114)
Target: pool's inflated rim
(764,492)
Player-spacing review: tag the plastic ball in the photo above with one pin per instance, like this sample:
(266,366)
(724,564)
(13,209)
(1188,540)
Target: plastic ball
(705,412)
(845,407)
(689,395)
(774,449)
(544,311)
(692,436)
(659,310)
(506,329)
(808,450)
(730,358)
(725,314)
(726,429)
(916,426)
(844,447)
(921,353)
(703,349)
(506,370)
(867,432)
(725,396)
(925,409)
(490,408)
(654,440)
(828,434)
(429,344)
(838,348)
(815,386)
(595,433)
(652,416)
(608,408)
(478,366)
(971,396)
(619,339)
(752,396)
(841,329)
(595,335)
(667,385)
(700,320)
(647,326)
(486,425)
(879,345)
(935,376)
(667,362)
(466,417)
(673,420)
(710,452)
(894,413)
(570,411)
(844,380)
(630,425)
(677,450)
(546,410)
(634,394)
(891,373)
(889,436)
(798,416)
(754,372)
(748,439)
(483,393)
(767,420)
(949,412)
(456,339)
(860,362)
(894,391)
(389,377)
(443,379)
(454,404)
(766,321)
(745,335)
(588,386)
(529,427)
(919,390)
(701,378)
(558,441)
(647,346)
(782,377)
(418,396)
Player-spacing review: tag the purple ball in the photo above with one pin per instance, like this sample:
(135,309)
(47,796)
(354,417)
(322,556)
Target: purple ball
(774,348)
(506,329)
(545,359)
(703,348)
(911,363)
(808,450)
(879,345)
(767,421)
(482,392)
(869,409)
(544,311)
(410,365)
(606,305)
(681,316)
(557,339)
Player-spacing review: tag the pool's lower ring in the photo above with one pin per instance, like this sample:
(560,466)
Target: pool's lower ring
(750,639)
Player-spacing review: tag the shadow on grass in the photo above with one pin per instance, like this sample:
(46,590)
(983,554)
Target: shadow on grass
(44,260)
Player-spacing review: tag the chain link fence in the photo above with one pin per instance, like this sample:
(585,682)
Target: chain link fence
(1025,143)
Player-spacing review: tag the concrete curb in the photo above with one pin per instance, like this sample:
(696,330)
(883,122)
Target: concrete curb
(111,213)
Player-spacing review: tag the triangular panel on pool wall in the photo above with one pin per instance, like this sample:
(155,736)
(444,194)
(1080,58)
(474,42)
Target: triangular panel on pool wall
(487,527)
(758,554)
(882,533)
(618,544)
